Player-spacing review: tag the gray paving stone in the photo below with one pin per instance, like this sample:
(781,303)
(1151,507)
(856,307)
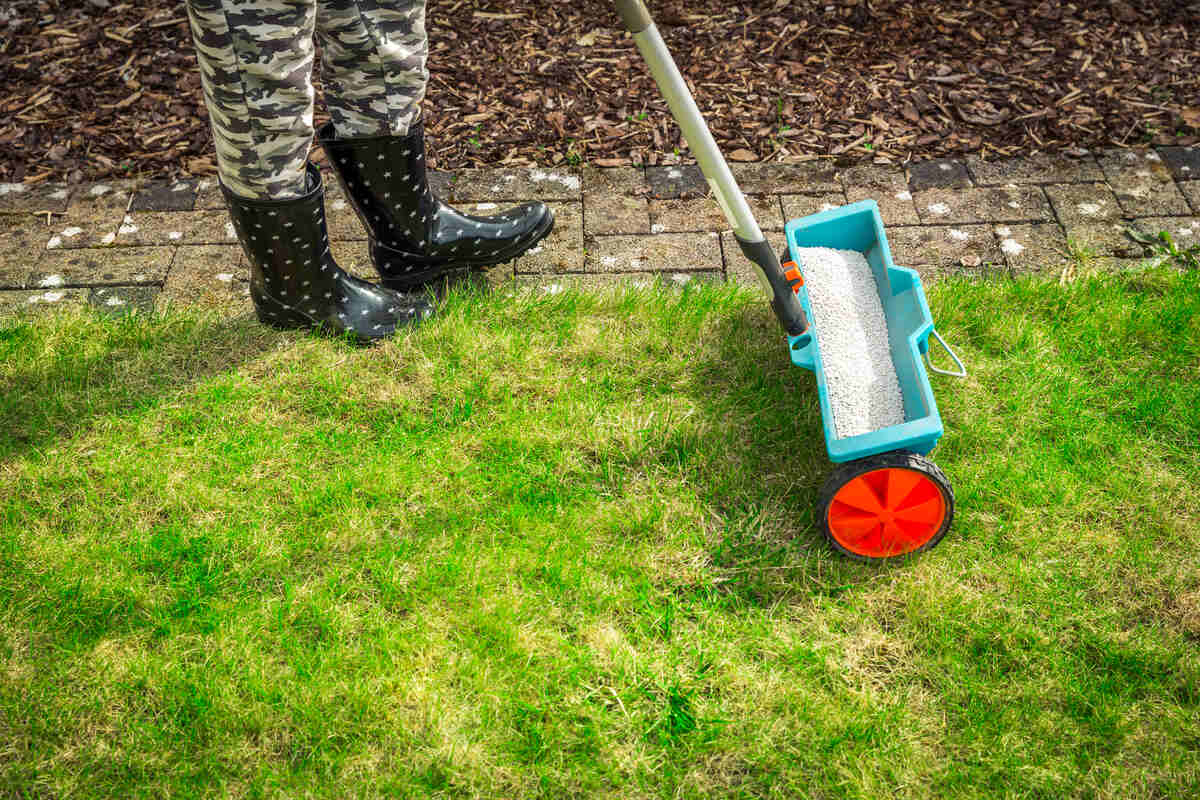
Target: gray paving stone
(1040,168)
(615,200)
(804,177)
(341,220)
(101,196)
(677,182)
(84,227)
(1141,197)
(354,256)
(937,251)
(613,180)
(802,205)
(608,213)
(887,186)
(121,300)
(209,276)
(665,252)
(209,196)
(895,209)
(101,266)
(554,284)
(1083,203)
(1137,164)
(493,277)
(737,267)
(884,176)
(1183,162)
(22,238)
(174,227)
(940,173)
(494,184)
(39,197)
(165,196)
(41,300)
(1112,264)
(1027,248)
(956,206)
(619,217)
(1142,182)
(439,182)
(1185,231)
(1191,190)
(562,250)
(1103,238)
(678,216)
(223,263)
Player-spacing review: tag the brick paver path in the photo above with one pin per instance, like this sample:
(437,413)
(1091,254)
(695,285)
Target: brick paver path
(127,245)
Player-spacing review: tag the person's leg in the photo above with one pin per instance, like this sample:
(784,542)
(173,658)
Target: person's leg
(373,64)
(256,59)
(375,53)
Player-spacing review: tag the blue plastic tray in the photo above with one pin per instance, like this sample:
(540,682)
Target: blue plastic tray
(859,227)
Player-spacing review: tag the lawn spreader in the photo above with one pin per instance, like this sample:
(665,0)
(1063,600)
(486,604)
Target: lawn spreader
(886,498)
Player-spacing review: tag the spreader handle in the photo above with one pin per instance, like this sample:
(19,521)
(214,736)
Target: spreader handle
(733,203)
(634,15)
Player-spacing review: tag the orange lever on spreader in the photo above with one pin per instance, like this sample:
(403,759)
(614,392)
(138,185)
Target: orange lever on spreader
(791,271)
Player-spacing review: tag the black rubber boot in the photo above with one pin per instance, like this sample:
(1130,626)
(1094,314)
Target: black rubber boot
(294,281)
(416,238)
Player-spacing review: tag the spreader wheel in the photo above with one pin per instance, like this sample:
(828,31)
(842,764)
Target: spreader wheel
(883,506)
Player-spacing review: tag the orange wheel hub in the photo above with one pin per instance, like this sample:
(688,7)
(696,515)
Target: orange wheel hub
(886,512)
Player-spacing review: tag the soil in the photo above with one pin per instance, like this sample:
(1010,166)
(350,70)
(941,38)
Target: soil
(101,89)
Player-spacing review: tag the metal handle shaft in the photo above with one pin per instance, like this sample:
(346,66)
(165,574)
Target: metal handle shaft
(724,186)
(634,15)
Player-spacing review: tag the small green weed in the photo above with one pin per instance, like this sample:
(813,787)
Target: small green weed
(1163,245)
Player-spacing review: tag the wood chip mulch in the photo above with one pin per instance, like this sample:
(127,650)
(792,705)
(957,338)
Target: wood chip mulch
(93,89)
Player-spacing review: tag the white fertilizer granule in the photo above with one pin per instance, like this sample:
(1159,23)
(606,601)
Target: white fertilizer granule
(852,335)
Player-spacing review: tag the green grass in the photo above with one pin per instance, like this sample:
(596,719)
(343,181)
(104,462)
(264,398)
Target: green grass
(552,546)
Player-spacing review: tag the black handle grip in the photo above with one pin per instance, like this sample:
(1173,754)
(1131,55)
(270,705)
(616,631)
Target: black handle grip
(784,302)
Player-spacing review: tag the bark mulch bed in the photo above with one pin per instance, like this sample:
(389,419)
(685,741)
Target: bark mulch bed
(94,89)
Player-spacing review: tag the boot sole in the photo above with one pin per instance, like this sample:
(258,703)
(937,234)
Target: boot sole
(282,317)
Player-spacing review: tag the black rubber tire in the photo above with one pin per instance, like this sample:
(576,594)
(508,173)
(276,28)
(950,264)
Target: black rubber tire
(896,459)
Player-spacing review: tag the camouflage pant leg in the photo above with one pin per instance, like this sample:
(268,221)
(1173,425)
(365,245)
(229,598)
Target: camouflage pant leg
(373,64)
(256,60)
